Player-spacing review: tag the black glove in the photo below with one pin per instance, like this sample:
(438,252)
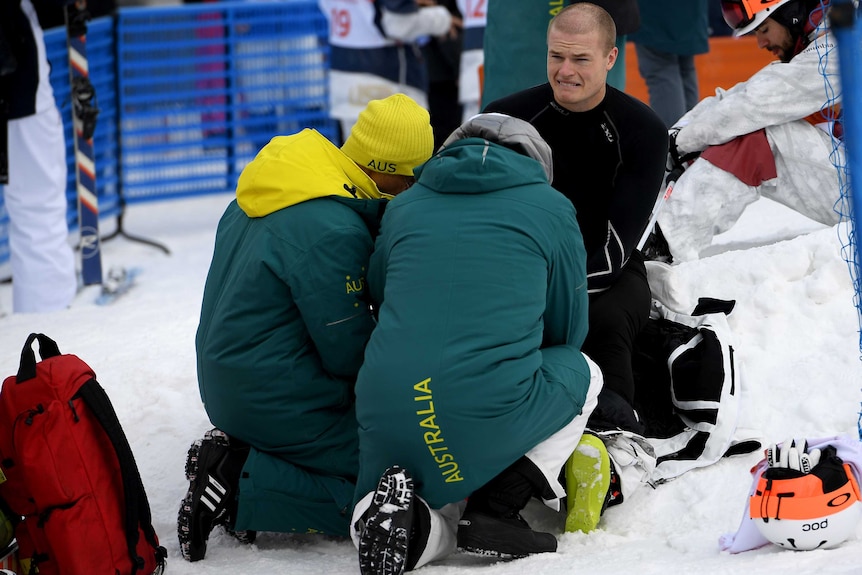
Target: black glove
(676,163)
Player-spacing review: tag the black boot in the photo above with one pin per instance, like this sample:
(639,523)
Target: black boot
(492,522)
(213,467)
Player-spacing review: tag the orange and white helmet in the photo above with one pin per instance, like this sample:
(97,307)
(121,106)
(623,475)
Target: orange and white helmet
(745,16)
(815,510)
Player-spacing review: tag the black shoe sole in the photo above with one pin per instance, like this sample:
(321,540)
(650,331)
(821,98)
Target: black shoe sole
(385,539)
(489,553)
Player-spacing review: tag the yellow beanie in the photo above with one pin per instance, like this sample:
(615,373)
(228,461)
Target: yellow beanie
(392,136)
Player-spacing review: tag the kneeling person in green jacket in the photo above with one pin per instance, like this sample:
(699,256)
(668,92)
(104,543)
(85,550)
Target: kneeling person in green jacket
(283,326)
(473,383)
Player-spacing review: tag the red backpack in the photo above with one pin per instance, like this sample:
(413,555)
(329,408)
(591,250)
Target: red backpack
(68,473)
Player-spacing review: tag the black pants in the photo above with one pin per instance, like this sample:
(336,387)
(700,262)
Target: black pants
(617,316)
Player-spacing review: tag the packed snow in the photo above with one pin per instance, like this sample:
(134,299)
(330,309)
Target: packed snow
(797,337)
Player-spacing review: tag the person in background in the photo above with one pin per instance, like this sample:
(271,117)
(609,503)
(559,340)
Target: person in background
(610,151)
(442,57)
(627,18)
(474,14)
(51,14)
(42,261)
(672,32)
(772,135)
(466,393)
(283,326)
(375,51)
(514,38)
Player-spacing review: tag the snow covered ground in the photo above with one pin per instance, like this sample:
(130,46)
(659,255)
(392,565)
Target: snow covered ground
(797,339)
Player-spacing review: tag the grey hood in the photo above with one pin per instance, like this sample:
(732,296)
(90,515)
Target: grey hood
(507,131)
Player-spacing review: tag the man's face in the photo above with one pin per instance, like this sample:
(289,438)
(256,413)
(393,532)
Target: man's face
(776,38)
(391,184)
(578,67)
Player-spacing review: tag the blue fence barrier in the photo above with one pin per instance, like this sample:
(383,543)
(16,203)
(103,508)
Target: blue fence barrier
(202,89)
(846,18)
(188,95)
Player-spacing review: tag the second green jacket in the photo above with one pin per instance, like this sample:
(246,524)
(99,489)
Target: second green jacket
(480,274)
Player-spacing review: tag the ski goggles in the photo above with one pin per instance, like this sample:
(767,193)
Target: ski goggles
(740,13)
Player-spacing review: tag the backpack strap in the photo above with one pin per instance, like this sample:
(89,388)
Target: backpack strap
(137,506)
(27,367)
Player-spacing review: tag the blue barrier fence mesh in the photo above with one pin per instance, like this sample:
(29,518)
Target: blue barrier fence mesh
(188,95)
(201,90)
(846,19)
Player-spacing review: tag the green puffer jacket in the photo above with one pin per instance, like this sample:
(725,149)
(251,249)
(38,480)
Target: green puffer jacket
(285,320)
(480,271)
(674,26)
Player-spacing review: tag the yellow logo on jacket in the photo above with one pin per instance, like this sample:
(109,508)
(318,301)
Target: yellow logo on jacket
(354,285)
(437,447)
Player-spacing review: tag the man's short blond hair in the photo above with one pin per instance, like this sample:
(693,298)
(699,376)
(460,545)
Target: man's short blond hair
(583,18)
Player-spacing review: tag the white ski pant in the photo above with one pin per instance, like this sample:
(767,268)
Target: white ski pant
(42,261)
(549,456)
(708,200)
(469,90)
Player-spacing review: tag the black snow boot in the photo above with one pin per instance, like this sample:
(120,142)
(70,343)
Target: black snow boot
(213,468)
(492,522)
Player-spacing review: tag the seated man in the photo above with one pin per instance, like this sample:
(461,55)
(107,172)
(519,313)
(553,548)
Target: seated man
(770,135)
(283,327)
(609,156)
(514,42)
(473,383)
